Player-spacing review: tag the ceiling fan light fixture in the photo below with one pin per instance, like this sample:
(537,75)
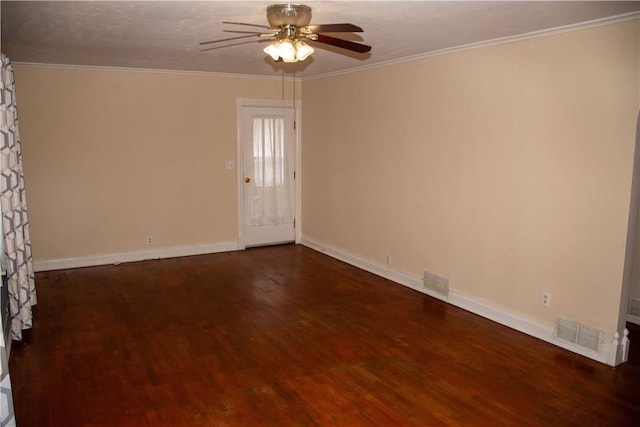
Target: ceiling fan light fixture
(289,50)
(289,30)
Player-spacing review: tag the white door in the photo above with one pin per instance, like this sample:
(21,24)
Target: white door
(268,171)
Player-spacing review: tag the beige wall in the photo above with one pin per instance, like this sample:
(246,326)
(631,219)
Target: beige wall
(506,169)
(634,288)
(113,156)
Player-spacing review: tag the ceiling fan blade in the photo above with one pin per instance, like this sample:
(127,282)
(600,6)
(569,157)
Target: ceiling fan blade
(257,33)
(230,38)
(249,25)
(334,28)
(229,45)
(344,44)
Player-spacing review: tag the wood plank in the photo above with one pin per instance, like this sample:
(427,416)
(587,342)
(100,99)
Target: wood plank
(285,336)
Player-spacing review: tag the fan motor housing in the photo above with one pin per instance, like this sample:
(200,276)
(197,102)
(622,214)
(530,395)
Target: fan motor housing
(297,15)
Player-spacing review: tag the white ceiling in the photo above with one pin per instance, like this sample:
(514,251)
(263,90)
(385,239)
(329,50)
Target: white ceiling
(165,34)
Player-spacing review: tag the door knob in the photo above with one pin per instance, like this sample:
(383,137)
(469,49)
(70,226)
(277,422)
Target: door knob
(247,179)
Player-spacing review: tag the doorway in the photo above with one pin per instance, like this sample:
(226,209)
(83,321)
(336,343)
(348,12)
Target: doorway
(268,199)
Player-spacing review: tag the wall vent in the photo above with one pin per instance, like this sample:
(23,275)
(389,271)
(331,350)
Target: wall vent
(634,307)
(579,334)
(436,283)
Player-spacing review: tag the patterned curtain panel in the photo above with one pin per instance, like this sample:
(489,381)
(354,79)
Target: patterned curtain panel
(7,416)
(15,226)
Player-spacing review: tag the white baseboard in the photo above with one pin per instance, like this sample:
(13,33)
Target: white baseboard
(119,258)
(459,299)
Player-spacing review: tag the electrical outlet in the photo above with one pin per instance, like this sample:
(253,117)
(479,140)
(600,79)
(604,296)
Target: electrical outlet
(388,259)
(546,299)
(149,240)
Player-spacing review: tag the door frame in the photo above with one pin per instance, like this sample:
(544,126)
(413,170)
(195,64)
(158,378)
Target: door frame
(241,104)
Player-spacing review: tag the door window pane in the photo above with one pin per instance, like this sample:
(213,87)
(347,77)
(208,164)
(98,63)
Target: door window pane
(268,151)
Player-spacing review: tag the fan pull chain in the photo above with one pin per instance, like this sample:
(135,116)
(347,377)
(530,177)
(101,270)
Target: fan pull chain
(283,84)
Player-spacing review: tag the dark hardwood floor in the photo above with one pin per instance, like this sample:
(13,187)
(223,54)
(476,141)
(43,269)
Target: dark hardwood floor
(285,336)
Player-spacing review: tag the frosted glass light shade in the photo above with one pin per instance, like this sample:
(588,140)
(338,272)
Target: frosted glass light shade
(303,50)
(272,51)
(287,51)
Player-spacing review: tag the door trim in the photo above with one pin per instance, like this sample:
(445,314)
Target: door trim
(242,103)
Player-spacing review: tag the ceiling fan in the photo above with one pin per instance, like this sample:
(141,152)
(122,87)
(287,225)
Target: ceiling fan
(289,30)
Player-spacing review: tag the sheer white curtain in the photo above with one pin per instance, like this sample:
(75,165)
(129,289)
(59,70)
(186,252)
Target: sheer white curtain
(271,201)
